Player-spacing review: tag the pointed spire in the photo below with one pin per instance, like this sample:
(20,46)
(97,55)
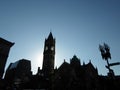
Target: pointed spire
(50,36)
(96,69)
(89,61)
(64,60)
(56,67)
(83,63)
(38,71)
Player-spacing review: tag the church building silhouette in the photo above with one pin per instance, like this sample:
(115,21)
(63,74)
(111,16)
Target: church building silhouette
(69,76)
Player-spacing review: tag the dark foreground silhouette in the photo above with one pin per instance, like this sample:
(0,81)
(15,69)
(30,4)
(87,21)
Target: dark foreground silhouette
(69,76)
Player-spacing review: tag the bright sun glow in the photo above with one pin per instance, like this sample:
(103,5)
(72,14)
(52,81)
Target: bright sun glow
(37,62)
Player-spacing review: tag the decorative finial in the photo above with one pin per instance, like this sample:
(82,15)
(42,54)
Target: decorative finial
(64,60)
(50,30)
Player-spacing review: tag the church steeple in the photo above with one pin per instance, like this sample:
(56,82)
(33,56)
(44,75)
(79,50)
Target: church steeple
(50,37)
(49,56)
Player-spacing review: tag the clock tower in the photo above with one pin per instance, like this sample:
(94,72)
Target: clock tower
(49,56)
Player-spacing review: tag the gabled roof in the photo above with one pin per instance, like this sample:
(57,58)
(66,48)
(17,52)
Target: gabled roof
(64,66)
(75,59)
(90,68)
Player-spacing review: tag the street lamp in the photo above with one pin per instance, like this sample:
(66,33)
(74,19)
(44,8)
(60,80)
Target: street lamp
(105,53)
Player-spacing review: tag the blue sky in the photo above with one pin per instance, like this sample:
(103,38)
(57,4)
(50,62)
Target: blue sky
(79,26)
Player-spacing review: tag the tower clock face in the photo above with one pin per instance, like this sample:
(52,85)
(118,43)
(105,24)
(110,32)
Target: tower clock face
(46,48)
(52,48)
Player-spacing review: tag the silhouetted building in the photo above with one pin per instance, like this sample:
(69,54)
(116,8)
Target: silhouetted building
(69,76)
(75,76)
(49,56)
(18,73)
(4,53)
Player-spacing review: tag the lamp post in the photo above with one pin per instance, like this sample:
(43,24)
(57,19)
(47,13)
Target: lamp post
(105,53)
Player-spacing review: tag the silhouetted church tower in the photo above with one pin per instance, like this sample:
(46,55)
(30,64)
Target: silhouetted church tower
(4,52)
(49,56)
